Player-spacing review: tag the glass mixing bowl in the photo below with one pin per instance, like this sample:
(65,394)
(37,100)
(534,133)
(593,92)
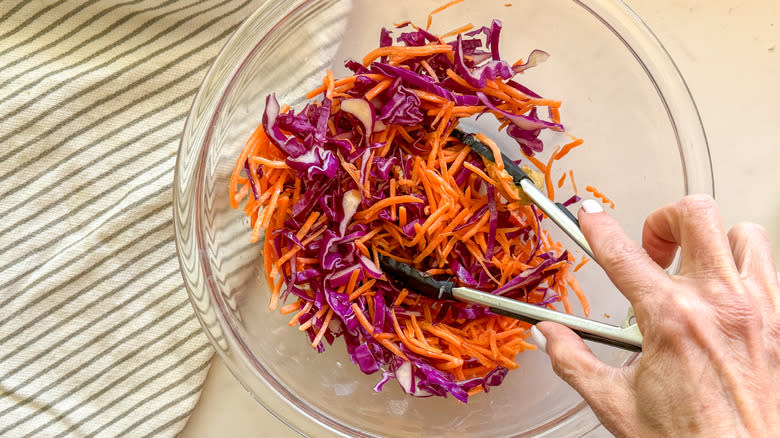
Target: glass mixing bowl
(645,147)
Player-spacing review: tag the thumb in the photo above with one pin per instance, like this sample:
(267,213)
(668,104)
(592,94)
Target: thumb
(603,387)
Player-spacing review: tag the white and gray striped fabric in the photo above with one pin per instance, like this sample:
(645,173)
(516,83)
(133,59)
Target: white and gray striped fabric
(97,337)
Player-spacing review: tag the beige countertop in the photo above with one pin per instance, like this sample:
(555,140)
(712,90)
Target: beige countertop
(727,52)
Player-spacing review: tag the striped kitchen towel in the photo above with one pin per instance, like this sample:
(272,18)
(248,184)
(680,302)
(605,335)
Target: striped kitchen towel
(97,337)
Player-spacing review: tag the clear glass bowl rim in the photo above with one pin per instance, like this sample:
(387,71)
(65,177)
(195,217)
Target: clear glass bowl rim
(614,14)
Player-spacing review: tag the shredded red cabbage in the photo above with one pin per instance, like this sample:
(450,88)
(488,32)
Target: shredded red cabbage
(316,138)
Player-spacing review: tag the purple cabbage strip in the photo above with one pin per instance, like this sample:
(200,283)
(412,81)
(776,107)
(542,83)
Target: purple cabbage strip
(403,108)
(523,122)
(477,77)
(252,185)
(572,200)
(384,38)
(415,79)
(530,277)
(523,89)
(315,161)
(311,140)
(462,273)
(289,145)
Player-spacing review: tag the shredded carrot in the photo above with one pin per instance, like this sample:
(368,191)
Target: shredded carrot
(439,9)
(322,330)
(344,81)
(572,282)
(268,163)
(305,326)
(401,297)
(352,280)
(464,28)
(307,225)
(302,312)
(600,196)
(561,180)
(568,147)
(429,69)
(329,83)
(481,174)
(362,319)
(573,183)
(361,290)
(458,79)
(367,184)
(290,308)
(377,207)
(431,211)
(548,178)
(581,263)
(556,115)
(430,97)
(370,329)
(378,88)
(396,52)
(497,158)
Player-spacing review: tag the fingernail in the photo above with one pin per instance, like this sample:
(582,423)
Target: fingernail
(591,206)
(539,339)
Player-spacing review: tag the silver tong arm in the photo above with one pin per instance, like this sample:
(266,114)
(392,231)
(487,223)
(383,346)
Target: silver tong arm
(627,337)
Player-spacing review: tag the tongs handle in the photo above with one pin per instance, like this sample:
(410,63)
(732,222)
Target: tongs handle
(627,337)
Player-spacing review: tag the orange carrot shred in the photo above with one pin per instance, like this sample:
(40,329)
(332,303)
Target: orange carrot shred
(567,147)
(401,297)
(429,211)
(290,308)
(600,196)
(561,180)
(330,84)
(352,280)
(479,172)
(378,206)
(362,289)
(497,158)
(302,312)
(581,263)
(430,71)
(324,327)
(439,9)
(305,326)
(401,51)
(573,183)
(378,88)
(307,225)
(464,28)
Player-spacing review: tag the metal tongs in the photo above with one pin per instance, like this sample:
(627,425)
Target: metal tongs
(554,210)
(627,336)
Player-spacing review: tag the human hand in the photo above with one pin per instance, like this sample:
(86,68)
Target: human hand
(710,365)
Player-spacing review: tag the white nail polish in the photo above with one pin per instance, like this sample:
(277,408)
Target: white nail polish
(591,206)
(539,339)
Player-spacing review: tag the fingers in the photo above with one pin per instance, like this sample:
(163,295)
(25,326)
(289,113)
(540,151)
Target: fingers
(571,359)
(694,224)
(752,254)
(659,249)
(624,261)
(602,386)
(752,251)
